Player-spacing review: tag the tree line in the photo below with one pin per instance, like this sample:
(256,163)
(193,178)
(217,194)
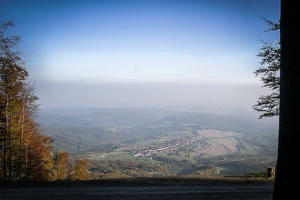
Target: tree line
(25,153)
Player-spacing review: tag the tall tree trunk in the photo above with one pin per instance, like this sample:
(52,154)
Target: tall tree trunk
(21,139)
(5,139)
(287,171)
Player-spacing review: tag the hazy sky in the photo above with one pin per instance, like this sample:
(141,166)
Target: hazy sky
(191,55)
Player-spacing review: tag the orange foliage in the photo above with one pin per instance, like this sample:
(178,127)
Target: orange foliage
(79,171)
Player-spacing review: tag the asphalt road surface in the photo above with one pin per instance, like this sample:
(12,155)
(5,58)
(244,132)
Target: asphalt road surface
(203,192)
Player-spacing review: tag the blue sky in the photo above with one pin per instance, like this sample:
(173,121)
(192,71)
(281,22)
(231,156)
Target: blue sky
(113,53)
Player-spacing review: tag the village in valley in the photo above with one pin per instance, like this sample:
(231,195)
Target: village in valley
(188,144)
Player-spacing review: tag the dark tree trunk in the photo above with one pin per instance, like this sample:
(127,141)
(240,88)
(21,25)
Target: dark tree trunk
(287,178)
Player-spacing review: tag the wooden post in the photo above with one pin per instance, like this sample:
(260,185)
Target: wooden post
(271,172)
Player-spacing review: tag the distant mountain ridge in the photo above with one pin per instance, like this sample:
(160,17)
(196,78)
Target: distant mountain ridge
(105,117)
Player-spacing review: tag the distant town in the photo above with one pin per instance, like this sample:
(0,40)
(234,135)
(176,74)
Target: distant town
(191,144)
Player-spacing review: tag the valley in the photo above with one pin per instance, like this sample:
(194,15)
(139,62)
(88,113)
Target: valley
(159,142)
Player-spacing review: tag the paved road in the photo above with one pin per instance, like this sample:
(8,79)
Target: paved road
(253,192)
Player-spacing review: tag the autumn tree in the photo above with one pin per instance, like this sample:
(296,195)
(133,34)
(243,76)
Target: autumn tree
(60,165)
(12,76)
(79,171)
(27,112)
(37,159)
(25,153)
